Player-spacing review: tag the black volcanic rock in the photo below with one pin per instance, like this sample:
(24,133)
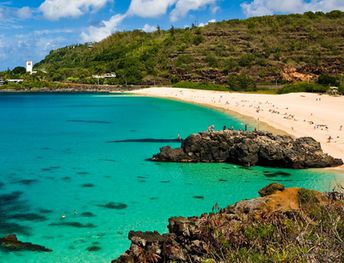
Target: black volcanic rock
(151,244)
(11,243)
(248,149)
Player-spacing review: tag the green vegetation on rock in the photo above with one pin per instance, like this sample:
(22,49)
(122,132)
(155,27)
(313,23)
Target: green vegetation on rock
(291,225)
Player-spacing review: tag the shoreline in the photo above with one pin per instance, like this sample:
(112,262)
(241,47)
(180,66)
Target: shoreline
(67,90)
(203,98)
(268,108)
(241,117)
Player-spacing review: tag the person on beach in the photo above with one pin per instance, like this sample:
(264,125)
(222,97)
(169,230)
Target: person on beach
(179,138)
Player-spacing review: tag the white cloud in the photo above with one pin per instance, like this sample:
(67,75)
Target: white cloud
(269,7)
(156,8)
(106,28)
(144,8)
(14,51)
(10,16)
(215,9)
(56,9)
(2,13)
(150,8)
(148,28)
(42,32)
(2,41)
(24,12)
(2,47)
(185,6)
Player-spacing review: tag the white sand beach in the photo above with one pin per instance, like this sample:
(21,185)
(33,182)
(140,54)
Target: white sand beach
(297,114)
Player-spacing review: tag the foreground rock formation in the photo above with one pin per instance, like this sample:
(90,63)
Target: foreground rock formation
(249,148)
(11,243)
(283,225)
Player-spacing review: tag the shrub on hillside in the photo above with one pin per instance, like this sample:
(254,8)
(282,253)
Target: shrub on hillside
(18,71)
(211,60)
(238,82)
(246,60)
(174,79)
(303,87)
(198,39)
(341,89)
(335,14)
(183,60)
(328,80)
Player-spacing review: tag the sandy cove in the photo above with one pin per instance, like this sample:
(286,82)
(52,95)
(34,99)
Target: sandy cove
(297,114)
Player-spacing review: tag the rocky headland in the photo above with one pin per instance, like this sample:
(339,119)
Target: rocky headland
(283,225)
(11,243)
(249,149)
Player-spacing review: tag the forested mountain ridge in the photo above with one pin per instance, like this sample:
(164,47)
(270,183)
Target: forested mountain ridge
(270,49)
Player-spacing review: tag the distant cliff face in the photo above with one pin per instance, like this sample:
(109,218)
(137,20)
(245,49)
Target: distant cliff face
(283,225)
(248,149)
(268,49)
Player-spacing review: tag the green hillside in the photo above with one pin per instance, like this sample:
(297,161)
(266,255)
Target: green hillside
(271,49)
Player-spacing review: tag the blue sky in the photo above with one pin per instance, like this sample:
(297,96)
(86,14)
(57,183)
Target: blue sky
(29,29)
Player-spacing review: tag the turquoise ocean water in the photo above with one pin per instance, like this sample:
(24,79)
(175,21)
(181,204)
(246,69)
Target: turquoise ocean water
(57,157)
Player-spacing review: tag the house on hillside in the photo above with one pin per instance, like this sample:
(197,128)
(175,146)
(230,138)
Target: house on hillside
(105,76)
(2,82)
(16,81)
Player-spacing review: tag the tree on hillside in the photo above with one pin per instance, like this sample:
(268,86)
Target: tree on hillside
(18,71)
(241,82)
(328,80)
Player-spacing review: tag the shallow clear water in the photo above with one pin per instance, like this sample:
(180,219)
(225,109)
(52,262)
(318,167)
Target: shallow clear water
(56,150)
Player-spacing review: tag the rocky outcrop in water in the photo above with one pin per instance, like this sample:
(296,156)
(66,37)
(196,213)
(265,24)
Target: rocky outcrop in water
(11,243)
(277,227)
(248,149)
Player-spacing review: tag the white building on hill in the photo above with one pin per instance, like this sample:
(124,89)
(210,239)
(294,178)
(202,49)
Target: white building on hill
(29,67)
